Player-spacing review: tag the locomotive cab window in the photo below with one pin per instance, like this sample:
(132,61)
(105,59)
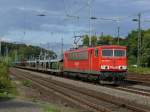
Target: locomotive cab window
(107,52)
(119,53)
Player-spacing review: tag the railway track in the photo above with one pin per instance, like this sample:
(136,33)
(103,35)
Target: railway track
(87,98)
(129,87)
(123,87)
(143,79)
(134,90)
(72,96)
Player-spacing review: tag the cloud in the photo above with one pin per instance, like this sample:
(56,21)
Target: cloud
(62,28)
(20,16)
(6,39)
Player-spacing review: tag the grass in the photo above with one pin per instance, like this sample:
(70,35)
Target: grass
(6,86)
(139,70)
(50,108)
(27,83)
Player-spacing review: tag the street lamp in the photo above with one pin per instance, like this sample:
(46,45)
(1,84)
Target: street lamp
(135,20)
(93,18)
(139,38)
(92,29)
(118,29)
(118,32)
(41,15)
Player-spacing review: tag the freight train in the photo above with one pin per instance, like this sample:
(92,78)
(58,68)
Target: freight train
(107,63)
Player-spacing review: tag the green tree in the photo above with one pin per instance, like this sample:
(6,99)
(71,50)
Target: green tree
(105,40)
(94,40)
(85,40)
(23,51)
(145,51)
(132,44)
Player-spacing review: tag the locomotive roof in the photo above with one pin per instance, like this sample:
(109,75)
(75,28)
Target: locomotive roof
(103,46)
(113,46)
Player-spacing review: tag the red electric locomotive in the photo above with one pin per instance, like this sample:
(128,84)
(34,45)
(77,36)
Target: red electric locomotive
(104,63)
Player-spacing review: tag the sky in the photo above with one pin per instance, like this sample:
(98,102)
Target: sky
(20,20)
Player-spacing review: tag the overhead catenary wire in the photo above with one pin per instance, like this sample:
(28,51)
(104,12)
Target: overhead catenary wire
(66,16)
(65,7)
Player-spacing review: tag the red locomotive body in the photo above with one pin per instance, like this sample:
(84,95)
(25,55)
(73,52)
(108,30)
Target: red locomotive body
(106,63)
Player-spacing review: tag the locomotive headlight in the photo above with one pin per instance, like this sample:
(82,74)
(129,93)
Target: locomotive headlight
(104,67)
(123,67)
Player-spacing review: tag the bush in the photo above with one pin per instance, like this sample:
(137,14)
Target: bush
(139,70)
(5,82)
(27,83)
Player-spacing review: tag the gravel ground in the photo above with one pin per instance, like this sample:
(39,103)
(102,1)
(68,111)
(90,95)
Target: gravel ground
(144,100)
(20,103)
(141,87)
(39,100)
(19,106)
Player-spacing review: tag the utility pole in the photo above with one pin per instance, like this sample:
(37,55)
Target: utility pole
(118,30)
(139,43)
(0,48)
(118,36)
(6,51)
(90,40)
(41,52)
(139,40)
(102,34)
(62,47)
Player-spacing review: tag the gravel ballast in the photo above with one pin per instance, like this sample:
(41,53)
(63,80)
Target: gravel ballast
(135,98)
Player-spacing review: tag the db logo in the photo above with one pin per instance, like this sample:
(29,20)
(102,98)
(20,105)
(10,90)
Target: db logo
(105,60)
